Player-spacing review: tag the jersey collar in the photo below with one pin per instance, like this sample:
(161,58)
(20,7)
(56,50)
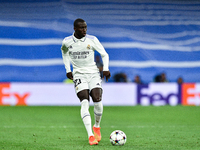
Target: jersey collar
(76,40)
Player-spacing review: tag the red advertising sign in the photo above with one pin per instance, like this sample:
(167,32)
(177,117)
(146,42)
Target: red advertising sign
(6,93)
(191,94)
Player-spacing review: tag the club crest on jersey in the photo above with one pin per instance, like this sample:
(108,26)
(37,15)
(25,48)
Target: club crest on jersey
(88,47)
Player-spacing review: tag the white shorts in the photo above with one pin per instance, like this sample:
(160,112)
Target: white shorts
(86,81)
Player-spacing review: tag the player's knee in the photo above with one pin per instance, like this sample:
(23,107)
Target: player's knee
(96,94)
(83,95)
(96,99)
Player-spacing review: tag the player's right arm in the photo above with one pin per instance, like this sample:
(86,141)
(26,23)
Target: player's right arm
(66,60)
(69,75)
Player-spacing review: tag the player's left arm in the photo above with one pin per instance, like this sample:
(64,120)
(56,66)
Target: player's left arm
(105,58)
(107,75)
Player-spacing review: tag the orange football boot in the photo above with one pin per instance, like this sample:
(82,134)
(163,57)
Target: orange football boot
(97,133)
(93,141)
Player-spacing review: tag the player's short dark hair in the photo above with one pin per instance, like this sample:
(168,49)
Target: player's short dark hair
(77,21)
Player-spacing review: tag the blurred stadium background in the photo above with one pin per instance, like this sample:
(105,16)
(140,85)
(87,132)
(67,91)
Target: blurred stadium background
(143,37)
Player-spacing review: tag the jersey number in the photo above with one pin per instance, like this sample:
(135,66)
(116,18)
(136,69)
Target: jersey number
(77,82)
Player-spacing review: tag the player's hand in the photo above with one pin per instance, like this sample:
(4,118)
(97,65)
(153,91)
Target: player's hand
(69,75)
(107,75)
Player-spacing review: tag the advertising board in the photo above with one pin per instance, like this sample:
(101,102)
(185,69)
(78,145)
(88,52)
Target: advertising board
(114,94)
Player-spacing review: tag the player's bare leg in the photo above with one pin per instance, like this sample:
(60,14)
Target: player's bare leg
(96,95)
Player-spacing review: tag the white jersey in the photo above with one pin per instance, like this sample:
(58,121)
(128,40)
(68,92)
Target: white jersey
(80,52)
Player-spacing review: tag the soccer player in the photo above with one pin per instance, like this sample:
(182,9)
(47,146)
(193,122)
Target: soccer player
(78,50)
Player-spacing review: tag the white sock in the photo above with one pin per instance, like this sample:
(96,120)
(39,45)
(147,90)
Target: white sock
(98,110)
(85,115)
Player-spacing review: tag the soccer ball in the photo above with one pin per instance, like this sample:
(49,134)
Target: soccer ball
(118,137)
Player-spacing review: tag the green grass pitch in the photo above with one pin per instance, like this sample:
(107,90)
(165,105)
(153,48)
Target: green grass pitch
(61,128)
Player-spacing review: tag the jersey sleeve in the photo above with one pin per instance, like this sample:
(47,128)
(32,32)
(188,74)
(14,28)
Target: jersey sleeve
(65,56)
(104,55)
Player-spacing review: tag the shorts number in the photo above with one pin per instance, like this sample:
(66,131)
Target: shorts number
(77,82)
